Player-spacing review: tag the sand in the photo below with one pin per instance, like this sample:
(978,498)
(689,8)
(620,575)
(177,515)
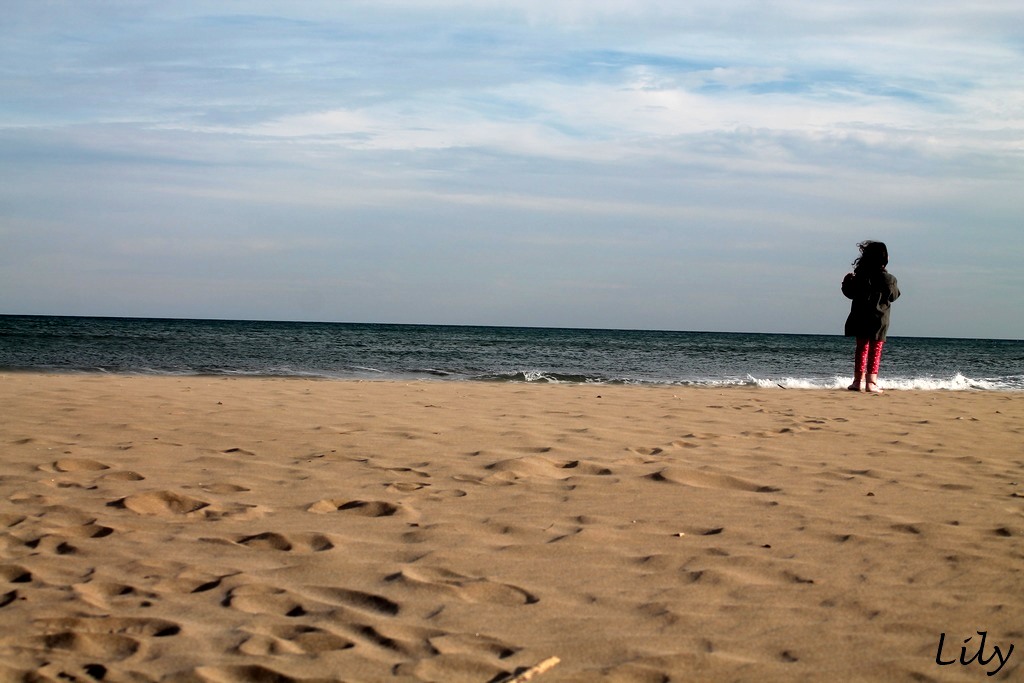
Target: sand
(239,529)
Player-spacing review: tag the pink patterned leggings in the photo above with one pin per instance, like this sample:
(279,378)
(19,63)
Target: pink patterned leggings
(868,357)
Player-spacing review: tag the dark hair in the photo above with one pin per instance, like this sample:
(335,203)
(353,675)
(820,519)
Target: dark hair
(873,256)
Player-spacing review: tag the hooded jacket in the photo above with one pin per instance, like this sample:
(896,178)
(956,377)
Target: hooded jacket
(872,294)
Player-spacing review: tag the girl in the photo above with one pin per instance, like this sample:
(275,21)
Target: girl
(872,290)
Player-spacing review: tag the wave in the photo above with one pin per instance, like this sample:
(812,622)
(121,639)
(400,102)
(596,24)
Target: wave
(544,377)
(956,382)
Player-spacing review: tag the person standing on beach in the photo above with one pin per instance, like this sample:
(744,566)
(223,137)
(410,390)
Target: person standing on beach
(872,290)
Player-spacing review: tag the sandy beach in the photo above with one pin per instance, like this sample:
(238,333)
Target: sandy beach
(236,529)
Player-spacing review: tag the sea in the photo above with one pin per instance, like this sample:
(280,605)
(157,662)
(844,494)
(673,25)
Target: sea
(143,346)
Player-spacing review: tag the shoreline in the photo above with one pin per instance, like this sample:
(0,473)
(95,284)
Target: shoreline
(955,384)
(220,528)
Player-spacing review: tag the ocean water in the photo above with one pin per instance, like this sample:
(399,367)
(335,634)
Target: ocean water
(500,354)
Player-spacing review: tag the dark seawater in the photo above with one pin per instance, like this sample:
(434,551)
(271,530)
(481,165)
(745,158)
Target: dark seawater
(510,354)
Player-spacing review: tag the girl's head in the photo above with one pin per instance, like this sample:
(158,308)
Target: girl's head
(873,256)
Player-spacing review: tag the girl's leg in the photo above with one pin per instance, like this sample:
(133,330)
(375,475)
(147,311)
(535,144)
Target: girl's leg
(860,364)
(874,362)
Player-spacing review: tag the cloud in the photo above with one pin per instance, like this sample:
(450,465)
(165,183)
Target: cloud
(477,146)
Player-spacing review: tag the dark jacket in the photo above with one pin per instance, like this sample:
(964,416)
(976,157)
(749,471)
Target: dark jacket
(873,293)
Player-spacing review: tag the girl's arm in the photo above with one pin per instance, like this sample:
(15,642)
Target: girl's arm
(850,286)
(894,290)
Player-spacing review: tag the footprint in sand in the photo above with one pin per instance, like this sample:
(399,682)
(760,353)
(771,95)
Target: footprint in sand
(310,639)
(89,530)
(222,488)
(160,503)
(363,508)
(454,667)
(532,468)
(174,504)
(102,594)
(445,582)
(105,646)
(269,540)
(52,545)
(342,606)
(79,465)
(409,470)
(241,673)
(12,573)
(585,467)
(22,498)
(498,479)
(472,644)
(643,450)
(130,626)
(354,599)
(410,641)
(528,467)
(191,581)
(237,451)
(124,475)
(405,486)
(707,480)
(8,520)
(103,638)
(293,640)
(260,599)
(10,543)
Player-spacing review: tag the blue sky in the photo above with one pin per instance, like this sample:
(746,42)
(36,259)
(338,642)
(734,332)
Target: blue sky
(645,164)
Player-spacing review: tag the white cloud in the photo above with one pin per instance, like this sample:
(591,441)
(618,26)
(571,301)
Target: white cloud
(277,132)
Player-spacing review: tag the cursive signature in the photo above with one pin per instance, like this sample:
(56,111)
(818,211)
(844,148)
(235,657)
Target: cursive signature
(979,656)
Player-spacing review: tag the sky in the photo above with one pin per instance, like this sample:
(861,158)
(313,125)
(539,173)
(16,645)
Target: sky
(633,164)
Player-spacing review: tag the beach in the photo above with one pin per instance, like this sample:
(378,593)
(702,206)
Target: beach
(228,529)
